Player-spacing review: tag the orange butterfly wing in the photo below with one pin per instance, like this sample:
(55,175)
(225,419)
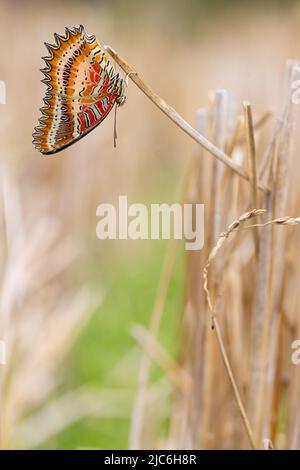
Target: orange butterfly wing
(82,88)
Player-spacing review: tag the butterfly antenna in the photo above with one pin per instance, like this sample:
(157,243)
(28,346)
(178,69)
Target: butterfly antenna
(115,126)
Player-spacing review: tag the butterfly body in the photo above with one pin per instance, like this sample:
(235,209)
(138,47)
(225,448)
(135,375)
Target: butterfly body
(82,88)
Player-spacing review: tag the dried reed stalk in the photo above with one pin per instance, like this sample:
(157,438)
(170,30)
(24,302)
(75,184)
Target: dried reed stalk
(265,348)
(176,118)
(234,227)
(238,137)
(251,153)
(219,135)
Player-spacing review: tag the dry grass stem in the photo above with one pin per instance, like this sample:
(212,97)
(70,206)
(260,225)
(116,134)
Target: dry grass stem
(251,153)
(177,119)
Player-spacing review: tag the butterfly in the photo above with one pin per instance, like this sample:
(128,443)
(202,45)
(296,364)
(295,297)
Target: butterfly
(82,88)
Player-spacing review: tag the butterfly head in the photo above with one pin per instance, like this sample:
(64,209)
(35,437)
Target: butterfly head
(121,100)
(122,97)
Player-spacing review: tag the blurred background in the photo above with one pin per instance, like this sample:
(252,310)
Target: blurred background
(70,304)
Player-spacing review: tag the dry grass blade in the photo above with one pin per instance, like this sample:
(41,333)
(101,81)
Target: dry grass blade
(221,240)
(251,153)
(238,138)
